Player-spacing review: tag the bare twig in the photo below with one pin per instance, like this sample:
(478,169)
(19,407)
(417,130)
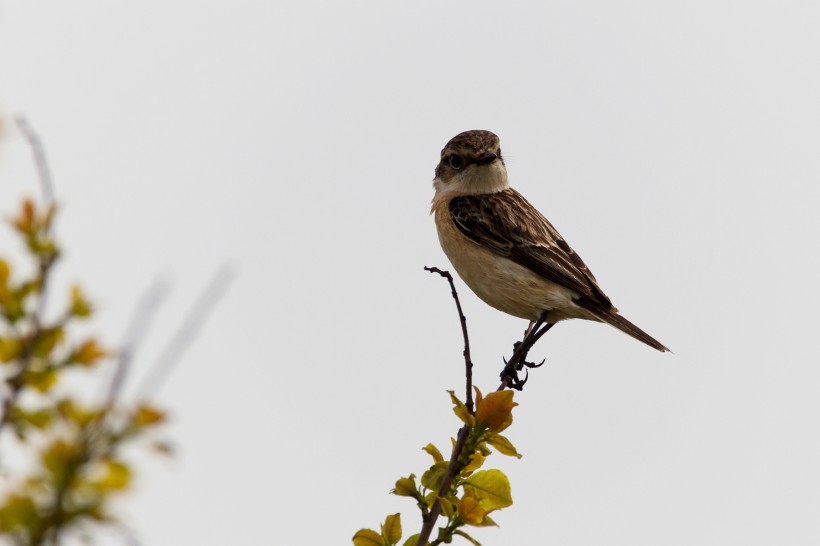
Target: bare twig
(187,332)
(453,468)
(40,161)
(429,520)
(141,320)
(468,363)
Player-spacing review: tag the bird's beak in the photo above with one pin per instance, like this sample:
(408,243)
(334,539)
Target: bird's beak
(486,157)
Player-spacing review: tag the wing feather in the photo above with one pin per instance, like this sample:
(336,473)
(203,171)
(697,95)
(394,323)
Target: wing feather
(506,223)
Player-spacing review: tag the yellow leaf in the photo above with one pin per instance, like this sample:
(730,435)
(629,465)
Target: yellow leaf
(476,460)
(146,415)
(80,306)
(88,353)
(77,413)
(494,411)
(470,510)
(461,410)
(58,457)
(36,418)
(367,537)
(24,222)
(478,396)
(42,380)
(434,452)
(9,349)
(391,529)
(411,541)
(406,487)
(116,477)
(503,445)
(19,513)
(491,487)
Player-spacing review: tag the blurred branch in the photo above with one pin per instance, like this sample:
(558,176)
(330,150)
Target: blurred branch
(46,261)
(187,332)
(135,333)
(39,152)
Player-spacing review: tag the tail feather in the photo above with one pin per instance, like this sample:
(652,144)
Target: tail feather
(614,319)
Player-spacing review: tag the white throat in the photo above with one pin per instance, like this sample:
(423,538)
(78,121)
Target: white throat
(475,178)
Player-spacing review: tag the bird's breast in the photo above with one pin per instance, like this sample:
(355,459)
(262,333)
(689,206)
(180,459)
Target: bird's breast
(500,282)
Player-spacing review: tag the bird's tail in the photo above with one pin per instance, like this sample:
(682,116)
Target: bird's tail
(619,322)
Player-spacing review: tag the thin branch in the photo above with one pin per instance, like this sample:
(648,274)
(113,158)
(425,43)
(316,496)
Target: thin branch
(40,161)
(135,333)
(44,267)
(187,332)
(468,363)
(453,468)
(429,521)
(509,379)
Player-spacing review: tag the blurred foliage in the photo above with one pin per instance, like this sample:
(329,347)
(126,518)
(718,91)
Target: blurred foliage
(473,494)
(72,450)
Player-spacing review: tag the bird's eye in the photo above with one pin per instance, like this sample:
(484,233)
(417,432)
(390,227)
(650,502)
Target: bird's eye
(455,161)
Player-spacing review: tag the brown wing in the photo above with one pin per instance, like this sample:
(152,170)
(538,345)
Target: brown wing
(506,223)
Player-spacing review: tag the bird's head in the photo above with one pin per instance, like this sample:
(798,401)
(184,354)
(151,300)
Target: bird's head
(471,163)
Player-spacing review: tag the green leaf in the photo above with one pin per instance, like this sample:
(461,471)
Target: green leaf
(433,476)
(476,460)
(19,513)
(447,507)
(490,486)
(46,341)
(462,534)
(503,445)
(412,540)
(406,487)
(42,380)
(391,529)
(367,537)
(39,419)
(60,458)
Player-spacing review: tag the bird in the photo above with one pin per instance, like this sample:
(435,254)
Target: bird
(505,250)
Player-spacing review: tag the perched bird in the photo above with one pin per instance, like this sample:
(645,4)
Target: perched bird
(504,249)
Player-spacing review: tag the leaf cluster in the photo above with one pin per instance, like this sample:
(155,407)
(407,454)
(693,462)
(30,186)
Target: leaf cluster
(465,493)
(74,449)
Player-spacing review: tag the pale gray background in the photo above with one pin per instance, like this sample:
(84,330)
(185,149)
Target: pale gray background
(674,144)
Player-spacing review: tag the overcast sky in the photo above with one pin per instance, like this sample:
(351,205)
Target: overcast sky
(674,145)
